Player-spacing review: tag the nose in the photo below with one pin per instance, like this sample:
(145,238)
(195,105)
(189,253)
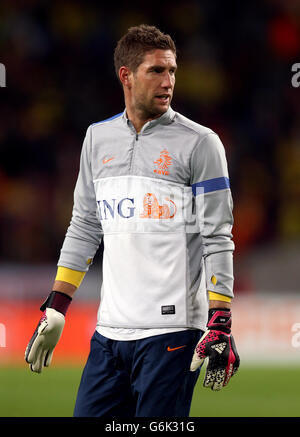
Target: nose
(168,81)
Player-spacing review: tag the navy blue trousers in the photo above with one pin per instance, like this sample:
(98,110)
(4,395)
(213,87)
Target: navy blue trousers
(141,378)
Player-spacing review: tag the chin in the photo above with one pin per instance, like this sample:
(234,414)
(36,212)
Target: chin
(156,111)
(161,109)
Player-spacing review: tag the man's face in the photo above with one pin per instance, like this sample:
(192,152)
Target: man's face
(153,83)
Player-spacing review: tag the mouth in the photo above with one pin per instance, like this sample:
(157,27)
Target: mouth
(163,98)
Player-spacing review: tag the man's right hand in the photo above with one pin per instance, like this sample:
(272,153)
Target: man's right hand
(39,351)
(40,348)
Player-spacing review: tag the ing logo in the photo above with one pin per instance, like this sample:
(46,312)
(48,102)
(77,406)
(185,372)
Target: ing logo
(153,210)
(125,208)
(163,163)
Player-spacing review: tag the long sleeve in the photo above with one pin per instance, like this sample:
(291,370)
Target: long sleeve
(210,183)
(84,233)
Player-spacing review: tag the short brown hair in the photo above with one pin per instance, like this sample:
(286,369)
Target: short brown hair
(138,40)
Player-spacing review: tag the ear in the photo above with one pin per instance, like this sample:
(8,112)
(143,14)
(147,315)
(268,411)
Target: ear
(125,76)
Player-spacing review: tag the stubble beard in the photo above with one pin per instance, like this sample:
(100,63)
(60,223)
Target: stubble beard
(150,110)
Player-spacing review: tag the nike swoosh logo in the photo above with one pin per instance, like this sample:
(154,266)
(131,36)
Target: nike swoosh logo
(105,161)
(170,349)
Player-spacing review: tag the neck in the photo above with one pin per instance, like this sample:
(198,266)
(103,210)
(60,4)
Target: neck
(138,117)
(139,121)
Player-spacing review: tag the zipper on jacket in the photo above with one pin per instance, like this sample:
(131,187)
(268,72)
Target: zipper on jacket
(133,152)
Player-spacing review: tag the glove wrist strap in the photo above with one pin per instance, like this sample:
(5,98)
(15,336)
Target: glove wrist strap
(58,301)
(219,319)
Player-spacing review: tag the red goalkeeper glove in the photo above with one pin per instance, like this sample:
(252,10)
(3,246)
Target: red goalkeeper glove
(40,348)
(217,344)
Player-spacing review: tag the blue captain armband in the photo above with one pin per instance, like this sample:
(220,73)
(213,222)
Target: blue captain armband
(210,185)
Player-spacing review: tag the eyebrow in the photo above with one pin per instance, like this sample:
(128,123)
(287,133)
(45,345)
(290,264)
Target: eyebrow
(161,67)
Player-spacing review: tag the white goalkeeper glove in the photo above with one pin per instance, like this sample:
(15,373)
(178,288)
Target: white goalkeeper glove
(40,348)
(217,344)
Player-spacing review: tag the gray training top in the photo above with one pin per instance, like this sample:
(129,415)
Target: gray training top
(161,201)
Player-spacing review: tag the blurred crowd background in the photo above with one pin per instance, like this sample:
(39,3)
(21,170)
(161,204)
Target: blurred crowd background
(234,76)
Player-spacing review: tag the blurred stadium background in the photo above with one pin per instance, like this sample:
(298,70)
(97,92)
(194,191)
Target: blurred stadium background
(234,75)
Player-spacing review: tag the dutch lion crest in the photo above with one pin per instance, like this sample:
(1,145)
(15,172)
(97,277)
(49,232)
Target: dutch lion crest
(163,163)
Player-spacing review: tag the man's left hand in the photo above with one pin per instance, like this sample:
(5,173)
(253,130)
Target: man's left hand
(217,344)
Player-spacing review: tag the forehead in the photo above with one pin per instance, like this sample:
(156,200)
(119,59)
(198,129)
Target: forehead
(159,57)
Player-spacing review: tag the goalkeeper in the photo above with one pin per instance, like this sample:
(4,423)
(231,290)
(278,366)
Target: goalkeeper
(155,186)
